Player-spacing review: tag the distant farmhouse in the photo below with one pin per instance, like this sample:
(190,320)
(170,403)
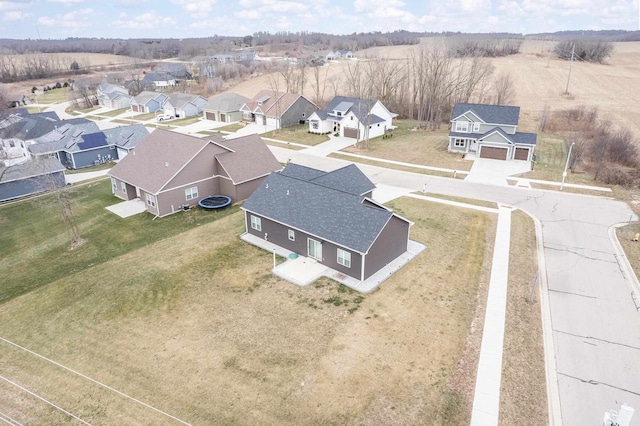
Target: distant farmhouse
(335,55)
(489,131)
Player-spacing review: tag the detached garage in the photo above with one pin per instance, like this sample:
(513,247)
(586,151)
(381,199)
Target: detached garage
(494,152)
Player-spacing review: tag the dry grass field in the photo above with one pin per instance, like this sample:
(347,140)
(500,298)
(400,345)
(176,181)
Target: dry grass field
(540,80)
(196,325)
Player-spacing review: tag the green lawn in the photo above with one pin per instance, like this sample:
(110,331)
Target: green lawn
(37,236)
(298,134)
(104,166)
(418,146)
(144,117)
(54,96)
(115,112)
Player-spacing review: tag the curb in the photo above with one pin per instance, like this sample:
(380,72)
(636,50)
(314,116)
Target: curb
(553,389)
(623,261)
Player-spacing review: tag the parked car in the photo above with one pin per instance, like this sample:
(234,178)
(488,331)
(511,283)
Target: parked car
(163,117)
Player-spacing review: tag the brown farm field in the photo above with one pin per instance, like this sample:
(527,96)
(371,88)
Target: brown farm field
(540,80)
(199,328)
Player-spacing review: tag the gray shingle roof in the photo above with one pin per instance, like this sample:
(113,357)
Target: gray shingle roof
(226,102)
(33,168)
(327,213)
(64,138)
(360,107)
(127,137)
(492,114)
(349,179)
(250,159)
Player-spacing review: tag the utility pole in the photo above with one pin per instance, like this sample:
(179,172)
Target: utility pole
(573,50)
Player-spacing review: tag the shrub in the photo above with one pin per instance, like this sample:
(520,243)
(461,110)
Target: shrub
(58,86)
(589,51)
(34,89)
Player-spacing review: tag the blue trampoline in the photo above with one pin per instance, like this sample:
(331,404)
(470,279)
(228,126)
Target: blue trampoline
(214,202)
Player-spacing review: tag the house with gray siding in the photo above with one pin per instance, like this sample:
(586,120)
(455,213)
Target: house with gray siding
(113,96)
(30,178)
(225,108)
(490,131)
(148,102)
(277,109)
(328,217)
(169,170)
(181,105)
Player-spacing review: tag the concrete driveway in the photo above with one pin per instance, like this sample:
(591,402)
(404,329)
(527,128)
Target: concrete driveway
(594,341)
(495,172)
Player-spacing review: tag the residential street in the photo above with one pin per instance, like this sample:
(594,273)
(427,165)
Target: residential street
(595,323)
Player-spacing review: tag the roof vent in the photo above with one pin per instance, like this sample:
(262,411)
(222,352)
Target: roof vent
(166,164)
(287,192)
(267,187)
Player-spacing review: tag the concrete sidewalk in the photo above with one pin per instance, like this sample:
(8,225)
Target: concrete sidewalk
(79,177)
(332,145)
(486,399)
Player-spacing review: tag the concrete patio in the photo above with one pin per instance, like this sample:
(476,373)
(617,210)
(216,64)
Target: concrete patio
(128,208)
(303,271)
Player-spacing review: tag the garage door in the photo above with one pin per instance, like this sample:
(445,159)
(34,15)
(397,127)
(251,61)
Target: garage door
(492,152)
(350,133)
(522,154)
(134,108)
(210,116)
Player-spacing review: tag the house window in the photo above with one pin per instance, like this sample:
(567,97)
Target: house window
(191,193)
(151,200)
(459,143)
(114,186)
(304,114)
(315,124)
(292,235)
(12,144)
(69,158)
(476,127)
(256,223)
(462,126)
(123,187)
(344,258)
(352,118)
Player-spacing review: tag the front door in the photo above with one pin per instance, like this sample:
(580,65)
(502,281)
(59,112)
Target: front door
(473,146)
(315,249)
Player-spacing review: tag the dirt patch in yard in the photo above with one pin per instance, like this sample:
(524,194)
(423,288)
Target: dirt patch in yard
(198,327)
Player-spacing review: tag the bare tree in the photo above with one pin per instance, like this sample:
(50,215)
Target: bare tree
(319,85)
(504,89)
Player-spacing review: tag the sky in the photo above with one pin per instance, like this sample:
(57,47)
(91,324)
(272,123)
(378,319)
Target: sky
(56,19)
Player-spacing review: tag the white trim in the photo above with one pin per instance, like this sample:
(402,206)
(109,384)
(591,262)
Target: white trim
(321,259)
(344,257)
(258,226)
(291,234)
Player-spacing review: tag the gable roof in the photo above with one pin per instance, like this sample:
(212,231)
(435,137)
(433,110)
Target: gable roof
(349,179)
(157,159)
(157,76)
(62,138)
(361,108)
(226,102)
(330,214)
(271,103)
(492,114)
(248,158)
(126,137)
(29,169)
(145,96)
(161,155)
(179,100)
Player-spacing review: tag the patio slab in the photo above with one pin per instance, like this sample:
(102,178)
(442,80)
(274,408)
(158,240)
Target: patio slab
(303,271)
(128,208)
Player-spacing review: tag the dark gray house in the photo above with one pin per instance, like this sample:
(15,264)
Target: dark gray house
(30,178)
(490,131)
(328,217)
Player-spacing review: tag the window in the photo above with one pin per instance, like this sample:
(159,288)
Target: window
(191,193)
(476,127)
(315,124)
(292,235)
(459,143)
(344,258)
(123,187)
(151,200)
(114,185)
(256,223)
(304,114)
(462,126)
(12,144)
(69,157)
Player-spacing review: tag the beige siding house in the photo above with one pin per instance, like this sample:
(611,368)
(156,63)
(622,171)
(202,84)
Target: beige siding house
(170,170)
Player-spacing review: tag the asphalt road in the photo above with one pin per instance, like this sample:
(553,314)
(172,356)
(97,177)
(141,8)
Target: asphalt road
(594,320)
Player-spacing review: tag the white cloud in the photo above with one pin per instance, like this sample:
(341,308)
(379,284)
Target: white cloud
(248,14)
(75,20)
(198,9)
(145,21)
(16,15)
